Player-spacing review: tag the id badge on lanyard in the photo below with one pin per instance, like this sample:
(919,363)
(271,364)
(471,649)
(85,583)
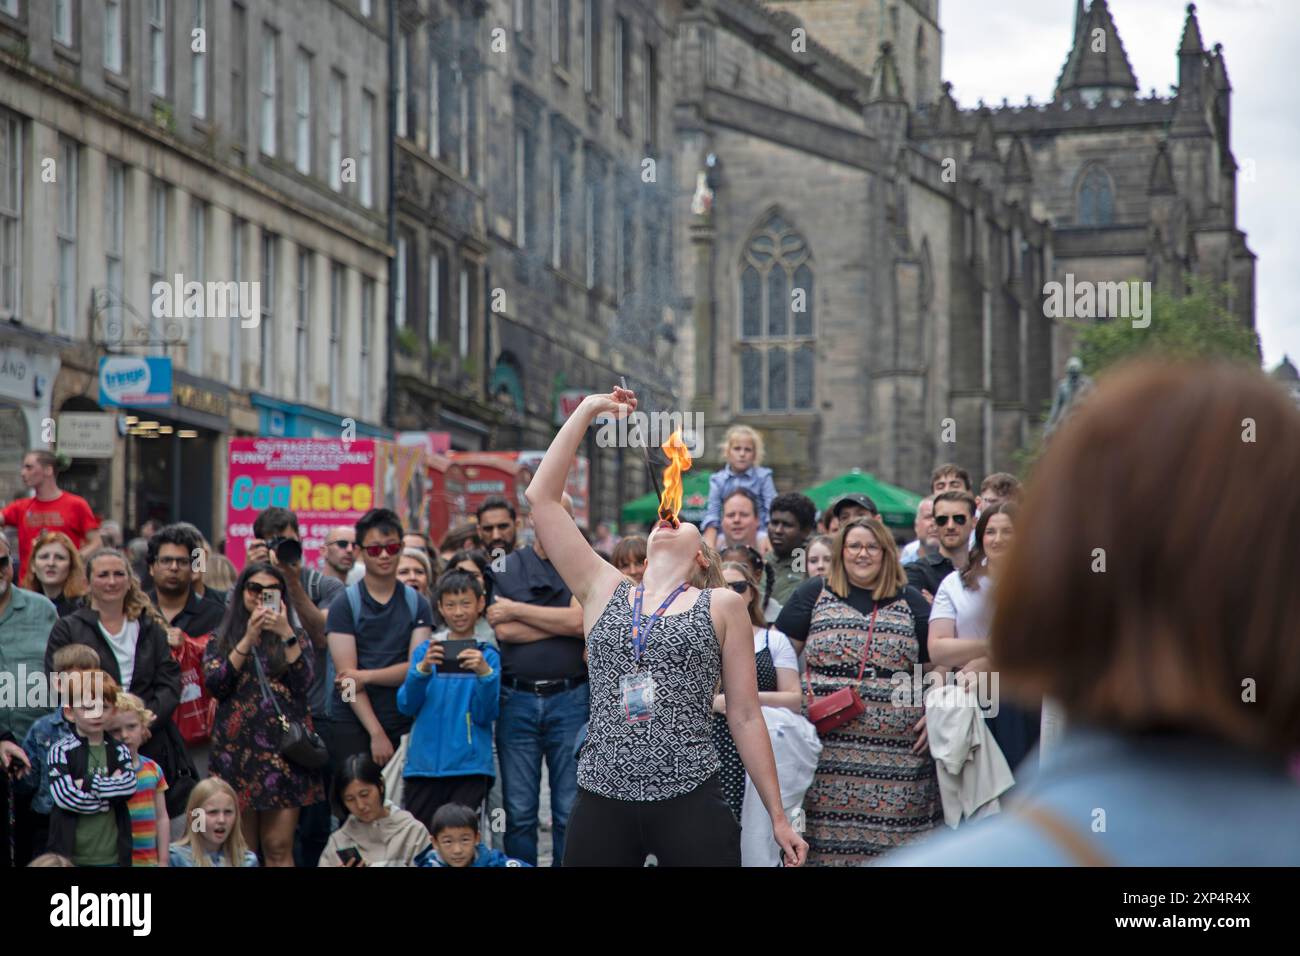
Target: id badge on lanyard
(638,688)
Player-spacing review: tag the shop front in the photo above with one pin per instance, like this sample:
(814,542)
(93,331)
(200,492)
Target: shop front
(175,459)
(27,371)
(280,419)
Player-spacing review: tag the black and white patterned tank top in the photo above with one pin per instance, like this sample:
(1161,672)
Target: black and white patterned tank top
(672,753)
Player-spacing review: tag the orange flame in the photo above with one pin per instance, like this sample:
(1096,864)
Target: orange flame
(679,460)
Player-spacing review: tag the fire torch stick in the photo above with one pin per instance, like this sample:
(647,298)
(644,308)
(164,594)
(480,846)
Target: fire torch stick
(645,450)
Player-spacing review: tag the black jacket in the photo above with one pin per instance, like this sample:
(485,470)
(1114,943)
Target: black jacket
(69,762)
(927,572)
(156,680)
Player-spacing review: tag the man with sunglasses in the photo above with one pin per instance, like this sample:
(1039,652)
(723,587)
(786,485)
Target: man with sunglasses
(340,553)
(954,517)
(370,649)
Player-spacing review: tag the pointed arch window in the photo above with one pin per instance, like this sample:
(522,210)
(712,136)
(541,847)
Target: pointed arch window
(776,323)
(1096,198)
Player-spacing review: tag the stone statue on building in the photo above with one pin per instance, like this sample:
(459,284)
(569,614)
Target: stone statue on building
(702,201)
(1069,393)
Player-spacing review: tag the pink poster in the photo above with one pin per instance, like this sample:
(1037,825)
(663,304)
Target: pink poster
(323,481)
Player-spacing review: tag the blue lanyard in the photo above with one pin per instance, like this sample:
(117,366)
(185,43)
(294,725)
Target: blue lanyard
(639,637)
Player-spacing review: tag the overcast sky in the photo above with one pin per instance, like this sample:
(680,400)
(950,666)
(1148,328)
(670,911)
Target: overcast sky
(1014,48)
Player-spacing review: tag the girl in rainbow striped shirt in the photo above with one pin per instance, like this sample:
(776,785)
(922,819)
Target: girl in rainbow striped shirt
(150,827)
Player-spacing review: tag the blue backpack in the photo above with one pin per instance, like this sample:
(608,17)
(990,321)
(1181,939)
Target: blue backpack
(353,593)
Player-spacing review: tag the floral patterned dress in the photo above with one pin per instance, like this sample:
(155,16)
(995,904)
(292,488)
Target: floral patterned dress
(245,732)
(870,793)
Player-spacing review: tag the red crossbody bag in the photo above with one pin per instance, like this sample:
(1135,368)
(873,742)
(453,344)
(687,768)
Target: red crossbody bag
(838,708)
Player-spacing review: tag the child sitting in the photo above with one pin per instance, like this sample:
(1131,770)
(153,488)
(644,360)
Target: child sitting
(456,842)
(743,448)
(150,828)
(449,757)
(214,837)
(48,729)
(374,832)
(92,776)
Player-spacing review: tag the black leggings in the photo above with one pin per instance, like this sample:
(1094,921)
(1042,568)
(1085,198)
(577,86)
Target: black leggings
(695,829)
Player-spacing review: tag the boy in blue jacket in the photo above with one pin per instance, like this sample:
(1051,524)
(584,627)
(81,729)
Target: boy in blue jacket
(449,756)
(456,843)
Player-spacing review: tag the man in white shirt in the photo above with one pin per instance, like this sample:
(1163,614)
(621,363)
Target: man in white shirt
(927,535)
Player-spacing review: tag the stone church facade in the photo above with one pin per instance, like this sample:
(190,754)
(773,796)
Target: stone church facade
(867,283)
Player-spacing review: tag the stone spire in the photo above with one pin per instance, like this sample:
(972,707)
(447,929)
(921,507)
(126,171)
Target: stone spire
(1190,106)
(887,86)
(887,111)
(1017,169)
(1161,180)
(1097,62)
(984,162)
(1191,34)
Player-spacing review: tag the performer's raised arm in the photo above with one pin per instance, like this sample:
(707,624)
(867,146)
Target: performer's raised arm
(582,569)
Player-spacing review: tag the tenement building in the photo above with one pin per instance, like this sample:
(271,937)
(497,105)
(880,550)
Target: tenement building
(866,262)
(147,146)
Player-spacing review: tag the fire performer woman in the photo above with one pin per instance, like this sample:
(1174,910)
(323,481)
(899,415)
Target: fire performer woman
(648,778)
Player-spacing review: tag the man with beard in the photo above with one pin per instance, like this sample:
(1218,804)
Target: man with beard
(544,692)
(793,517)
(954,515)
(498,527)
(339,557)
(26,619)
(171,558)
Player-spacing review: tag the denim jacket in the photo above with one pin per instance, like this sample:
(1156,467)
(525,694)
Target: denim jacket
(37,747)
(757,480)
(1138,800)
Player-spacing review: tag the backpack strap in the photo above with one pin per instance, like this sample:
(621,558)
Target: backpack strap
(1065,837)
(313,585)
(412,602)
(353,591)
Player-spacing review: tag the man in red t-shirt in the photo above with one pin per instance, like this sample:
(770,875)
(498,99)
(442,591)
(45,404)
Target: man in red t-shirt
(49,510)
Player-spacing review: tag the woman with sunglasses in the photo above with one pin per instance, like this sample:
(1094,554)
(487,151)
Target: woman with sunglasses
(778,680)
(648,778)
(875,787)
(256,634)
(764,572)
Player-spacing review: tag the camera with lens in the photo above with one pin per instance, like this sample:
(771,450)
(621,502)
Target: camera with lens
(286,550)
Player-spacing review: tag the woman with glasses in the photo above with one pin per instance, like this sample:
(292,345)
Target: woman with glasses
(778,680)
(256,635)
(875,787)
(56,571)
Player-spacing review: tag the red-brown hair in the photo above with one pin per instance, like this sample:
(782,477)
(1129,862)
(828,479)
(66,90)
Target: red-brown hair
(1152,580)
(75,585)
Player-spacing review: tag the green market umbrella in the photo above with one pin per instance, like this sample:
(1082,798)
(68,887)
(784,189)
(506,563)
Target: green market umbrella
(695,499)
(897,505)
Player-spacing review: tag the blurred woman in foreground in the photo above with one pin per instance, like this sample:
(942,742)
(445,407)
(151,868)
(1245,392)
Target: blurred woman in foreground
(1150,615)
